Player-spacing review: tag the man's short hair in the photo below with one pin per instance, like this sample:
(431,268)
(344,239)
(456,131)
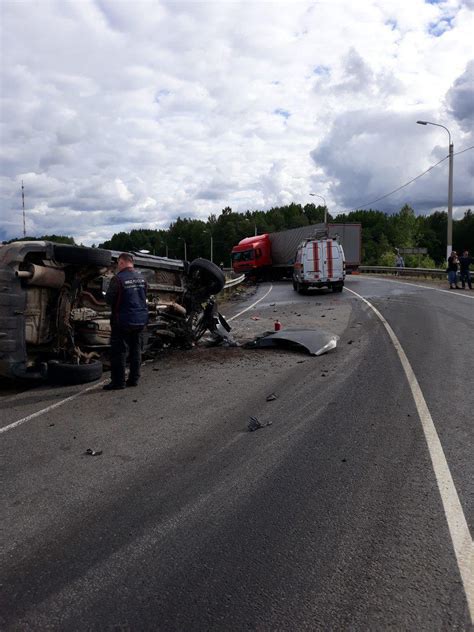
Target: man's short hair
(126,256)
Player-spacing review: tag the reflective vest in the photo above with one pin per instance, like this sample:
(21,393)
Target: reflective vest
(130,309)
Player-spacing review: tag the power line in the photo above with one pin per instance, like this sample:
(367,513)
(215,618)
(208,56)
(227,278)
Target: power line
(360,206)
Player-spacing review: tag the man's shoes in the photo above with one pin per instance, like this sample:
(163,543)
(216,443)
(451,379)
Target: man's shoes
(131,383)
(457,287)
(113,387)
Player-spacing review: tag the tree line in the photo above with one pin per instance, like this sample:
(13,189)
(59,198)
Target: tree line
(381,233)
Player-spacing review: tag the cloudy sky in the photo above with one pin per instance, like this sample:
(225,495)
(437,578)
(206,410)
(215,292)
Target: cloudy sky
(119,115)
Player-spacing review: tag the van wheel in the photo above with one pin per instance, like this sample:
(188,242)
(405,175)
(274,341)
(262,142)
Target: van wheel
(295,287)
(64,373)
(301,289)
(74,254)
(337,288)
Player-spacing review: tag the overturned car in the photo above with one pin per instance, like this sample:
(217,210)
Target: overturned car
(55,323)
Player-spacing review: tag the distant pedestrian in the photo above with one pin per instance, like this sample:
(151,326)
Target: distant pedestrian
(452,271)
(126,295)
(399,261)
(464,263)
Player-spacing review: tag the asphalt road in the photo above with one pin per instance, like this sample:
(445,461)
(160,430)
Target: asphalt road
(329,518)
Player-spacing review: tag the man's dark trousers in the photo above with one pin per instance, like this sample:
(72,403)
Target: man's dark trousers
(466,278)
(122,338)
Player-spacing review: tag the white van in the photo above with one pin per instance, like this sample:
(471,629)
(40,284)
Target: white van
(319,263)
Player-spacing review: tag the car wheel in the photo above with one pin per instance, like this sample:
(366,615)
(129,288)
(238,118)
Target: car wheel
(208,277)
(64,373)
(75,254)
(198,324)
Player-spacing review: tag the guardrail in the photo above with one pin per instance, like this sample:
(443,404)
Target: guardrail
(233,282)
(433,273)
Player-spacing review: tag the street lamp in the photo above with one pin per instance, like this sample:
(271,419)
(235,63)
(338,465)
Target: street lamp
(212,245)
(449,245)
(185,247)
(325,206)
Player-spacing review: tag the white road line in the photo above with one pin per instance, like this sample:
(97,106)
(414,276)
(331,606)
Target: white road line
(250,307)
(48,408)
(457,523)
(424,287)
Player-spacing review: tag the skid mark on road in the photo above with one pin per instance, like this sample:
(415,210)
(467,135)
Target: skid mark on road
(457,523)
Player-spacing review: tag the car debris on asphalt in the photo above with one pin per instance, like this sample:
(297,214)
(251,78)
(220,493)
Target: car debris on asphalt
(91,452)
(255,424)
(315,341)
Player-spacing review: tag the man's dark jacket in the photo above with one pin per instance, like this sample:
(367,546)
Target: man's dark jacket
(464,263)
(126,295)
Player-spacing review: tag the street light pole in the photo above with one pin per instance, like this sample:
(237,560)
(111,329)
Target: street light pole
(325,206)
(449,245)
(185,248)
(212,245)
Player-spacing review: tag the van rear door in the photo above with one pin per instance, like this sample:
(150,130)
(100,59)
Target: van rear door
(334,260)
(313,264)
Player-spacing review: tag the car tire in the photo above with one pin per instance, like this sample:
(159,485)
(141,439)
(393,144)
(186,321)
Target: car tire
(198,324)
(75,254)
(207,275)
(64,373)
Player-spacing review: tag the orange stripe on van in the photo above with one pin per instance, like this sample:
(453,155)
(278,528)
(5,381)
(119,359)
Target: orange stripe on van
(316,256)
(329,253)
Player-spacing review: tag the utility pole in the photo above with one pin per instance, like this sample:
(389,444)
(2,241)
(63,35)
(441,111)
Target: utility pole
(23,201)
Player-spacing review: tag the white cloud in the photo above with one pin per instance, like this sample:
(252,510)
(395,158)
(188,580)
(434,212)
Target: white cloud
(119,115)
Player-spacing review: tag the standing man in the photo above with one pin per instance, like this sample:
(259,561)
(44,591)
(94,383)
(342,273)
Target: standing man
(452,271)
(399,261)
(464,263)
(126,295)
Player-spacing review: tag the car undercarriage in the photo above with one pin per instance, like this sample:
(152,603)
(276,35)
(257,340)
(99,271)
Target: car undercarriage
(55,323)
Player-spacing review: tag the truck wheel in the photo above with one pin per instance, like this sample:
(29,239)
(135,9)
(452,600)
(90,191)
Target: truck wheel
(74,254)
(207,276)
(64,373)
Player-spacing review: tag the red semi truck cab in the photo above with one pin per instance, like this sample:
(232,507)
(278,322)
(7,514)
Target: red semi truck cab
(252,254)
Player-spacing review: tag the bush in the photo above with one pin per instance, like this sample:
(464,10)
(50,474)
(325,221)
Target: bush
(388,259)
(419,261)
